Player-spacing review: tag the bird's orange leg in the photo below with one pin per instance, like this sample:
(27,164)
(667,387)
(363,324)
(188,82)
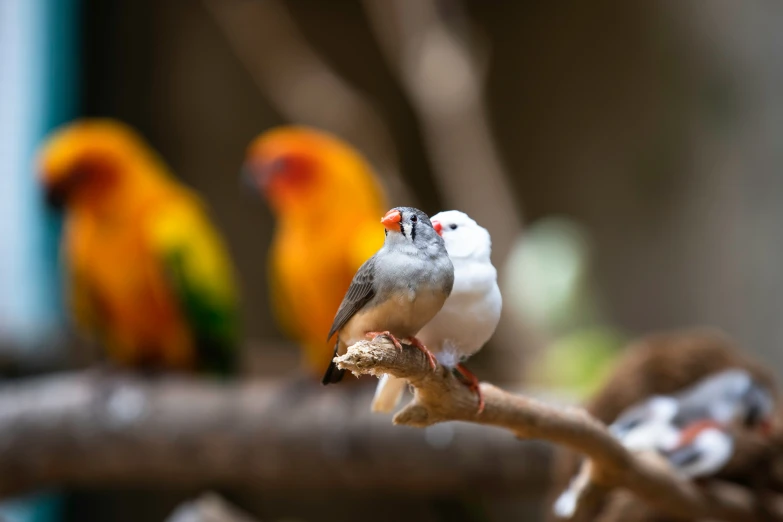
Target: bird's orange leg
(418,344)
(393,339)
(472,382)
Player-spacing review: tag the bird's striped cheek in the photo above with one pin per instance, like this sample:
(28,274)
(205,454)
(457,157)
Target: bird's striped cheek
(407,230)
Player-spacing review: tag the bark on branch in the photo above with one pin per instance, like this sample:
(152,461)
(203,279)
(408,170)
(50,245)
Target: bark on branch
(441,397)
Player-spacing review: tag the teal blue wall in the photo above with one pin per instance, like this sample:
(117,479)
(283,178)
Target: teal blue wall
(39,68)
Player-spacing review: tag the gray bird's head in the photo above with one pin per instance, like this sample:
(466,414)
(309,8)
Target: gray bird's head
(759,407)
(409,228)
(731,396)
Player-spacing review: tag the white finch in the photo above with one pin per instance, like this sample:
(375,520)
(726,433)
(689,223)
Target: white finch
(471,313)
(398,290)
(730,397)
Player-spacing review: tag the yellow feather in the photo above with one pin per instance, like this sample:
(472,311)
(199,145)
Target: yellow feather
(126,221)
(323,234)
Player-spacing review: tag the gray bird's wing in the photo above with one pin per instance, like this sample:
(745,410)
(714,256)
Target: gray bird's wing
(361,291)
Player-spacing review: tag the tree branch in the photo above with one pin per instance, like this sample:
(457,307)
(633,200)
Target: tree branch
(94,429)
(441,397)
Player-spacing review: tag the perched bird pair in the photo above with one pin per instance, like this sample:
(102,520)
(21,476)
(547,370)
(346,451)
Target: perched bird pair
(430,285)
(470,314)
(315,185)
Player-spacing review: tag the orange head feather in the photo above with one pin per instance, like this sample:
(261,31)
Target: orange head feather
(84,160)
(302,171)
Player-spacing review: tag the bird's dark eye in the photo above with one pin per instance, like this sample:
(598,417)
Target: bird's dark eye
(633,424)
(414,218)
(279,164)
(453,226)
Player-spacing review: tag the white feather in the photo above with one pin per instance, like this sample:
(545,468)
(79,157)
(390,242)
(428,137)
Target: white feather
(565,505)
(471,313)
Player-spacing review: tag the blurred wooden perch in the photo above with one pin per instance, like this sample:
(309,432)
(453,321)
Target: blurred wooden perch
(440,397)
(664,363)
(92,429)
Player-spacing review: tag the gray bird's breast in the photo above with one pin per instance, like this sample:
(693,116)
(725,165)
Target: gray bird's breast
(410,288)
(402,311)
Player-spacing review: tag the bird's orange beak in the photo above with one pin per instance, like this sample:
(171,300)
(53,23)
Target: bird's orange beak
(55,195)
(392,220)
(438,227)
(766,428)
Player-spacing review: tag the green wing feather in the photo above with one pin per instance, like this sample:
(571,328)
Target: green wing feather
(201,275)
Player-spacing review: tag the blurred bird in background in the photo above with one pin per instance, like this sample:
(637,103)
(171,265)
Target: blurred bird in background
(326,200)
(693,428)
(471,313)
(661,392)
(728,398)
(148,275)
(702,449)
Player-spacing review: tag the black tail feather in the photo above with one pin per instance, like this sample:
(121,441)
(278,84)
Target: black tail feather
(333,374)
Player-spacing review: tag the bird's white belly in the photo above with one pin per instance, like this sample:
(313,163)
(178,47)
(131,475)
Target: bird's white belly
(403,315)
(461,328)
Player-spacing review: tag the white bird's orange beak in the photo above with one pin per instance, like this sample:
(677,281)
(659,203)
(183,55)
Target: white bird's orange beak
(438,227)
